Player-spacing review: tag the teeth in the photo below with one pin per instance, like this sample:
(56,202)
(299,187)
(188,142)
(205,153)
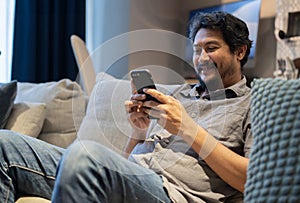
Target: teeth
(205,67)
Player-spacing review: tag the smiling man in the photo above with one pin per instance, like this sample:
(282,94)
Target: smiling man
(219,51)
(197,148)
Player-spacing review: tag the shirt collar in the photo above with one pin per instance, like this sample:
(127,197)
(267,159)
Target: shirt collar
(236,90)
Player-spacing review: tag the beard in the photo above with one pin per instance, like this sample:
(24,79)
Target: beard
(209,76)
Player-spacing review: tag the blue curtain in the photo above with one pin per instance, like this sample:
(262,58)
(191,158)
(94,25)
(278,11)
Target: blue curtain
(42,50)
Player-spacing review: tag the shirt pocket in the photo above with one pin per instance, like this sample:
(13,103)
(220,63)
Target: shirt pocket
(225,123)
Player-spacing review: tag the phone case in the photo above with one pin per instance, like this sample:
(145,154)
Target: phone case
(143,79)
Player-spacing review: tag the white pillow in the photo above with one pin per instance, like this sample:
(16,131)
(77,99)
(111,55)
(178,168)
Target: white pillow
(27,118)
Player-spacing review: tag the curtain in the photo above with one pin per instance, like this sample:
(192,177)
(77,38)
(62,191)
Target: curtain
(42,50)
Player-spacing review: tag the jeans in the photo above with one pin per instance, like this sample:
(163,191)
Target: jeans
(27,166)
(90,172)
(87,172)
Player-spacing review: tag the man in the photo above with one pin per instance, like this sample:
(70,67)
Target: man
(194,151)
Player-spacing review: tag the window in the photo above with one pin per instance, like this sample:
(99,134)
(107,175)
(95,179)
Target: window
(7,10)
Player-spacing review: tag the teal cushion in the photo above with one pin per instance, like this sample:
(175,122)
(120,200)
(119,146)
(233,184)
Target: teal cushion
(274,168)
(7,96)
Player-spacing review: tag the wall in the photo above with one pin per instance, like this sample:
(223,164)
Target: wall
(106,19)
(172,16)
(288,49)
(266,43)
(164,16)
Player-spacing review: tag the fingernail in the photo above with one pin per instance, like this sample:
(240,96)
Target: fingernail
(138,108)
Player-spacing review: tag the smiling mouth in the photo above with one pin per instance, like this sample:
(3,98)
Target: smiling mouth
(207,67)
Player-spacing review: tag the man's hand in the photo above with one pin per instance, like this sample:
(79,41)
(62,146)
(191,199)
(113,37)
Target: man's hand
(171,115)
(138,119)
(137,116)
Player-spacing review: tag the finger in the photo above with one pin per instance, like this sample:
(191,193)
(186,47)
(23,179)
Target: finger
(132,105)
(153,113)
(150,104)
(138,118)
(138,97)
(128,106)
(158,95)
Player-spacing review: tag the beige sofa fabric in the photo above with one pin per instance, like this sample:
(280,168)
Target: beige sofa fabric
(27,118)
(32,200)
(65,108)
(106,121)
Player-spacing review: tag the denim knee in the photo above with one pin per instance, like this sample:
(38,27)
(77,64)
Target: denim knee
(92,172)
(78,172)
(26,161)
(7,137)
(8,142)
(76,161)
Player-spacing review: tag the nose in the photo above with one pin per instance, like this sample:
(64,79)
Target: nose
(203,57)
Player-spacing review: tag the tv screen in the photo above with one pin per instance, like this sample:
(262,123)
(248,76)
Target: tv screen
(248,11)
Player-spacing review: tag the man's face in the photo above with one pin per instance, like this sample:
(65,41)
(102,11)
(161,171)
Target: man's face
(213,60)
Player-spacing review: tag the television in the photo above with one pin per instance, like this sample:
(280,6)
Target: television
(248,11)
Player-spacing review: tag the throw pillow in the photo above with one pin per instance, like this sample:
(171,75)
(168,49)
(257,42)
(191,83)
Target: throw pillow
(66,104)
(274,168)
(7,96)
(106,119)
(27,118)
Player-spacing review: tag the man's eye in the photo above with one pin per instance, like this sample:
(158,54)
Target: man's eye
(210,49)
(197,50)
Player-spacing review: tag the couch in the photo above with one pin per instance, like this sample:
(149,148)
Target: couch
(101,117)
(49,111)
(60,112)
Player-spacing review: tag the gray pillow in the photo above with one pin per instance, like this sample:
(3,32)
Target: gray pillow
(274,168)
(7,96)
(106,119)
(65,108)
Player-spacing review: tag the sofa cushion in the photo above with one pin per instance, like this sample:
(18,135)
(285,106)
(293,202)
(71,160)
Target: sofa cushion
(106,120)
(274,168)
(27,118)
(65,108)
(7,96)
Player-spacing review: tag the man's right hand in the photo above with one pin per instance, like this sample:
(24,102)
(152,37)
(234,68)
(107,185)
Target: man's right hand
(139,121)
(137,117)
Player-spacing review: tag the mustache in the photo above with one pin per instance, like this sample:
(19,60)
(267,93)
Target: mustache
(206,65)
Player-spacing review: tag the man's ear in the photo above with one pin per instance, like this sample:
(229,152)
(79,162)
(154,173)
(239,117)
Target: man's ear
(241,51)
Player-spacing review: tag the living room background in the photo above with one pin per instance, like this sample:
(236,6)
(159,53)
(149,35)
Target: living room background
(109,18)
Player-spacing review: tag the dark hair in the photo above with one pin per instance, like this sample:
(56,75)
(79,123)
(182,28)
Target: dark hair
(235,31)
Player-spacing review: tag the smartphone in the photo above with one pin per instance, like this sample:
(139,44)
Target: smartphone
(142,78)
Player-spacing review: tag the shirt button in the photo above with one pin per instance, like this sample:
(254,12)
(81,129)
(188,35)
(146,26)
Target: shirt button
(193,115)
